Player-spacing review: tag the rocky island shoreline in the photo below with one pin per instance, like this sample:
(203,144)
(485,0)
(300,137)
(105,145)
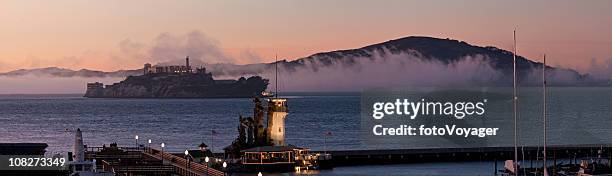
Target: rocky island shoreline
(179,81)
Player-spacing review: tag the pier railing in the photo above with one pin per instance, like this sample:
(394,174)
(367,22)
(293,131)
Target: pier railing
(117,167)
(181,165)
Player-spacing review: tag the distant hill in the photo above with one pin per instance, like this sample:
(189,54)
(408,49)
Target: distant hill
(62,72)
(444,51)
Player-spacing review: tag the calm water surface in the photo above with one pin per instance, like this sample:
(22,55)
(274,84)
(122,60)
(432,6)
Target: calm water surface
(184,123)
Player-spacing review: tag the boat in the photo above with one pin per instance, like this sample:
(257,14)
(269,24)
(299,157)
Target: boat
(590,166)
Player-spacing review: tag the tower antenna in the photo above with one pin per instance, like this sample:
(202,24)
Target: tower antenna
(544,110)
(514,99)
(276,75)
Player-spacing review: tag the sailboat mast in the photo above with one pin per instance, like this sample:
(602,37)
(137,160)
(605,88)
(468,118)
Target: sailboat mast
(276,75)
(544,107)
(514,99)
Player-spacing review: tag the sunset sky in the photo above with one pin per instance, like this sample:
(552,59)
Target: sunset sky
(116,34)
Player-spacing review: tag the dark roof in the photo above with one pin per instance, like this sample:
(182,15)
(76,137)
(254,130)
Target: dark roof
(200,153)
(271,149)
(202,145)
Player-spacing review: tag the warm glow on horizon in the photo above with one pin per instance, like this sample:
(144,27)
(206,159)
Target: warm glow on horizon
(114,35)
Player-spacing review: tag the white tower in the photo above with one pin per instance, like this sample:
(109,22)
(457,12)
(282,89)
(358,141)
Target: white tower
(79,166)
(277,111)
(78,148)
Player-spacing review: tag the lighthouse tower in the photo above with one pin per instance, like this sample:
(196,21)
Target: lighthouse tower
(78,148)
(80,166)
(277,111)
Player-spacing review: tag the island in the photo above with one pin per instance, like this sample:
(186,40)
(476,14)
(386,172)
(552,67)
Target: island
(178,81)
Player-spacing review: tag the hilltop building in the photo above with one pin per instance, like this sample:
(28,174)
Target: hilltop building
(176,69)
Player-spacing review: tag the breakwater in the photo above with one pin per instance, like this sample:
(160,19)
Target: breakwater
(398,156)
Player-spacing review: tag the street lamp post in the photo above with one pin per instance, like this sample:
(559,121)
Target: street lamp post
(136,137)
(149,145)
(187,158)
(325,144)
(206,160)
(329,133)
(162,152)
(224,168)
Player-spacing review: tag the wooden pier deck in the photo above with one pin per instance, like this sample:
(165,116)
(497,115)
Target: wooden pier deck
(166,163)
(182,166)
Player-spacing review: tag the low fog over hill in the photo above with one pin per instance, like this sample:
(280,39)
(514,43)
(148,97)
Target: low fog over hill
(409,61)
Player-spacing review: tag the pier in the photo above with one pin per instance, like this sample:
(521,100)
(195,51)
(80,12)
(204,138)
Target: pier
(144,160)
(183,166)
(152,160)
(398,156)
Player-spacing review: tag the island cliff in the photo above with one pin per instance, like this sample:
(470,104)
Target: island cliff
(178,82)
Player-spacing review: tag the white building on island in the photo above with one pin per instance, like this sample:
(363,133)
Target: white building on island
(176,69)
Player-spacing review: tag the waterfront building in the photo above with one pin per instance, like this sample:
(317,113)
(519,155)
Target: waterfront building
(200,154)
(265,128)
(272,154)
(273,158)
(261,146)
(277,111)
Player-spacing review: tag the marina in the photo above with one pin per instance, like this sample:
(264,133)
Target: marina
(149,159)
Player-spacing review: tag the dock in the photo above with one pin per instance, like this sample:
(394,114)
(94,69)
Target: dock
(165,162)
(144,160)
(182,166)
(399,156)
